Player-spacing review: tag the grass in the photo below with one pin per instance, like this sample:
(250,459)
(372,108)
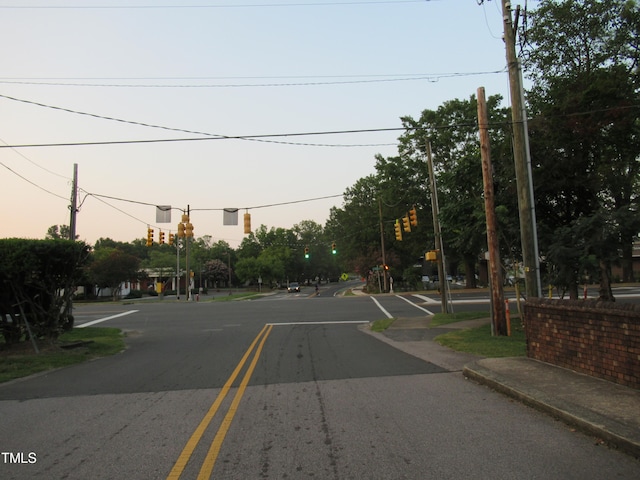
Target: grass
(479,341)
(95,342)
(382,325)
(447,318)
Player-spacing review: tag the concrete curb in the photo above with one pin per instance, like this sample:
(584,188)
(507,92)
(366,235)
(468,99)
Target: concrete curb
(612,432)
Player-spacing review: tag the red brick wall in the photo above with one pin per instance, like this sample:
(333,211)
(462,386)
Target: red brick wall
(601,339)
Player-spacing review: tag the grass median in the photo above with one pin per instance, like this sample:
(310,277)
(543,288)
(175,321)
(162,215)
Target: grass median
(76,346)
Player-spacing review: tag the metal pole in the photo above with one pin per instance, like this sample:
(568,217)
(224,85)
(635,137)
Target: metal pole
(177,267)
(188,273)
(523,180)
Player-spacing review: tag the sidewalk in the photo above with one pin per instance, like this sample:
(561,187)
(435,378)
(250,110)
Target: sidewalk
(608,411)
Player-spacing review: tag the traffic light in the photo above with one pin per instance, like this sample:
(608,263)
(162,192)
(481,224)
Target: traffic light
(161,238)
(431,256)
(171,238)
(333,248)
(181,233)
(398,230)
(149,237)
(306,252)
(188,230)
(406,225)
(247,223)
(413,217)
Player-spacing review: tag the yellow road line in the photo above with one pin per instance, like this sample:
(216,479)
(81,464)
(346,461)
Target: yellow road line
(184,457)
(216,445)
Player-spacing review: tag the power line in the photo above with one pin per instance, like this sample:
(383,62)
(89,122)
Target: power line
(207,136)
(355,79)
(33,183)
(241,5)
(256,138)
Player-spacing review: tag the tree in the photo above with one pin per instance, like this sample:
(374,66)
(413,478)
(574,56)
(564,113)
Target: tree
(585,136)
(452,132)
(37,284)
(58,232)
(356,226)
(216,271)
(111,267)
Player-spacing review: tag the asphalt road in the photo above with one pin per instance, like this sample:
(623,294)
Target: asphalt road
(284,387)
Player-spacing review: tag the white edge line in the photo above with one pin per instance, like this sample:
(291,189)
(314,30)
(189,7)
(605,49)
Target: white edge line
(105,319)
(381,308)
(414,305)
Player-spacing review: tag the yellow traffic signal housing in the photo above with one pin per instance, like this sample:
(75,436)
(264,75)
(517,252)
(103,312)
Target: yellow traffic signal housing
(413,217)
(188,230)
(405,223)
(247,223)
(161,238)
(398,230)
(149,237)
(181,232)
(431,256)
(171,238)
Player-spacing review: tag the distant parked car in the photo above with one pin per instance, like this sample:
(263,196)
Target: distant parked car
(293,287)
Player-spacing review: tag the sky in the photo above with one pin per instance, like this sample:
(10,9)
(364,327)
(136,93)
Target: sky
(97,84)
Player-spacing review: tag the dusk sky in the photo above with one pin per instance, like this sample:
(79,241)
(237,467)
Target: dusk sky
(92,82)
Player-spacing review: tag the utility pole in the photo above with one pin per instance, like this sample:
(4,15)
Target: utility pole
(74,203)
(435,210)
(526,205)
(495,269)
(384,259)
(187,267)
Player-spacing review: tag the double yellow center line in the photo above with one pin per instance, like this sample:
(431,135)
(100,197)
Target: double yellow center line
(214,449)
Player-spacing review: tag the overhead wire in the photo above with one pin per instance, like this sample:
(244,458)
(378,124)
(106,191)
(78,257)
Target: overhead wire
(207,136)
(232,5)
(355,79)
(101,197)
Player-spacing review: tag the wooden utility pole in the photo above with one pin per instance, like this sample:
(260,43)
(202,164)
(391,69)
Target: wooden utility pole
(384,256)
(528,234)
(74,203)
(495,268)
(435,210)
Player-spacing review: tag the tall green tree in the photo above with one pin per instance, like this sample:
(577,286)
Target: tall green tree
(585,135)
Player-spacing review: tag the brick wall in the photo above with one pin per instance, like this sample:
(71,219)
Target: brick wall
(601,339)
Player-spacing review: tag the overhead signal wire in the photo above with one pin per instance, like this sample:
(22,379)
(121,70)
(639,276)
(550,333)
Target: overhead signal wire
(100,198)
